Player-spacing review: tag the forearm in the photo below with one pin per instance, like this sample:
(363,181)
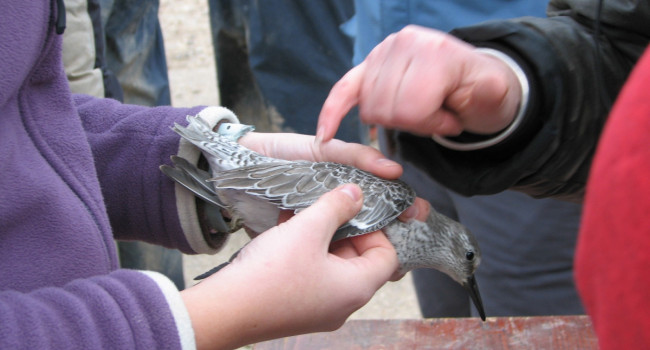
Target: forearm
(89,313)
(226,311)
(242,305)
(129,144)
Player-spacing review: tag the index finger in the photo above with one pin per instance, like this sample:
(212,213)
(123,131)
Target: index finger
(360,156)
(343,96)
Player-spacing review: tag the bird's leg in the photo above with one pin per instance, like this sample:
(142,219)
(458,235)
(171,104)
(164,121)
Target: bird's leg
(217,268)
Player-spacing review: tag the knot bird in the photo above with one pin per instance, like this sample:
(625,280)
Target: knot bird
(253,188)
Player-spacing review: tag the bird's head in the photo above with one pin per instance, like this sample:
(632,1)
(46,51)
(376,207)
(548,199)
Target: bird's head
(460,256)
(232,131)
(438,243)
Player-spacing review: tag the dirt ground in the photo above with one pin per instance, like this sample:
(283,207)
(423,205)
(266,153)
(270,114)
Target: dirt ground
(192,77)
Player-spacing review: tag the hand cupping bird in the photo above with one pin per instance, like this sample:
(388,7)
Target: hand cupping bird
(253,189)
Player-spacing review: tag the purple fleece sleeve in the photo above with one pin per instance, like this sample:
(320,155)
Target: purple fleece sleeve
(129,143)
(122,310)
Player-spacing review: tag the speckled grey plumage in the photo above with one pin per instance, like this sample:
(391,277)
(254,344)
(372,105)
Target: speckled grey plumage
(253,189)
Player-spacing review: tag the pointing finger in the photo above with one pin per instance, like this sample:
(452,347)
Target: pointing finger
(360,156)
(343,96)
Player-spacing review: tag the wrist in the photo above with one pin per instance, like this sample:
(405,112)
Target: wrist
(233,308)
(217,307)
(470,141)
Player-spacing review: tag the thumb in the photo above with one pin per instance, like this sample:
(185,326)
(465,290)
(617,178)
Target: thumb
(320,220)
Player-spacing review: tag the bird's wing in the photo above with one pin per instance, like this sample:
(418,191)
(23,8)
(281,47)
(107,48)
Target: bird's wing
(384,201)
(289,185)
(296,185)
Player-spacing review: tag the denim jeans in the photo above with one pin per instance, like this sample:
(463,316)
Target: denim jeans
(135,51)
(278,60)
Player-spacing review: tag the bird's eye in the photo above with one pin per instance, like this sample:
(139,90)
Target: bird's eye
(469,255)
(228,127)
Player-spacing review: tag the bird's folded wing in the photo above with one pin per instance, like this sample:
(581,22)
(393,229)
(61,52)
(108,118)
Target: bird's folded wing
(296,185)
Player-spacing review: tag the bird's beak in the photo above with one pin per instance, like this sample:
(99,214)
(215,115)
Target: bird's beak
(472,288)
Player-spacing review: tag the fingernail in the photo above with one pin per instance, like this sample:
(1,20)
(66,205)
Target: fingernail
(387,162)
(319,136)
(351,190)
(410,212)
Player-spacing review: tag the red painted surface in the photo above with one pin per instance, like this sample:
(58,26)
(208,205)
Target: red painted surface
(547,332)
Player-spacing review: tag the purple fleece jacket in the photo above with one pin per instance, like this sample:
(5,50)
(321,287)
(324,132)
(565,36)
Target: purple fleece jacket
(78,172)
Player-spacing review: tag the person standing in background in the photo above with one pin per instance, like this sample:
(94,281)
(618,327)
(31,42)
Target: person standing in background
(277,60)
(135,50)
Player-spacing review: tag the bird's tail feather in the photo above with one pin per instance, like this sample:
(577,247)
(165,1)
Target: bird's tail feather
(193,179)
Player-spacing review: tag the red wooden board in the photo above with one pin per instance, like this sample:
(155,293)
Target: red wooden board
(547,332)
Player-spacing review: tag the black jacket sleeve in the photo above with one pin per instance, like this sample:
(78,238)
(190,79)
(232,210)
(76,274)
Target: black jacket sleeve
(574,77)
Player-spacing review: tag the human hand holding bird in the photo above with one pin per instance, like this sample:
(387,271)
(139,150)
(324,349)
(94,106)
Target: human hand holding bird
(243,176)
